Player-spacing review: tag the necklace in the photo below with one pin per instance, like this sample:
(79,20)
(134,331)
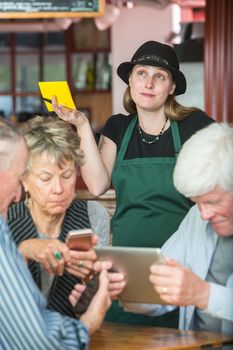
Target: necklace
(149,142)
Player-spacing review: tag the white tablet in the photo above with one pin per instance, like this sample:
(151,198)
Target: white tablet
(135,264)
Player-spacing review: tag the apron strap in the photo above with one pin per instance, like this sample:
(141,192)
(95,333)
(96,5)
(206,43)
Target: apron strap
(127,136)
(128,133)
(126,139)
(123,148)
(176,137)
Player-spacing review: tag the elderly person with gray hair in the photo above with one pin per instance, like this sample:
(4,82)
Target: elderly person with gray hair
(26,322)
(40,224)
(198,273)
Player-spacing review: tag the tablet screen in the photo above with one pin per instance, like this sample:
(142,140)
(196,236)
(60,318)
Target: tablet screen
(135,264)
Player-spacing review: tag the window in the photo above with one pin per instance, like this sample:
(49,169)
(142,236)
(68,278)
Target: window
(80,55)
(25,59)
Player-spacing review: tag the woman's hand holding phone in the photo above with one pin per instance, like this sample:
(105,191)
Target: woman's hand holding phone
(80,243)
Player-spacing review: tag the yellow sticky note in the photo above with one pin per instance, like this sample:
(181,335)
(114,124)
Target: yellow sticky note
(60,89)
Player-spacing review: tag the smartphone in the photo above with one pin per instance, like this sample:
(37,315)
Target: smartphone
(80,239)
(86,297)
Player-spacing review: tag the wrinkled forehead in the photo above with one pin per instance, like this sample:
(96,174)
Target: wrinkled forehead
(217,195)
(46,159)
(12,151)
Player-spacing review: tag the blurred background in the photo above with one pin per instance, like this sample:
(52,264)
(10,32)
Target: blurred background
(85,49)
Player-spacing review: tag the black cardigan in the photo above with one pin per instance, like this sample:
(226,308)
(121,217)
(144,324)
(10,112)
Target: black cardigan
(22,228)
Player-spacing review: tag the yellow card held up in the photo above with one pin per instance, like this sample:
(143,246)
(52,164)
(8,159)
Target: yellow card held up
(60,89)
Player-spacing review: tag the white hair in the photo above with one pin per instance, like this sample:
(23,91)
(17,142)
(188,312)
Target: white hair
(206,161)
(10,138)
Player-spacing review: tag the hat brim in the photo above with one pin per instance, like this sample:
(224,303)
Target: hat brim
(125,68)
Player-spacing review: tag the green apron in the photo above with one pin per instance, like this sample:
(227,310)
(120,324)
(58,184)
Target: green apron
(148,211)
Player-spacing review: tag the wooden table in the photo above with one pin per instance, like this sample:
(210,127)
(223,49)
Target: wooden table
(113,336)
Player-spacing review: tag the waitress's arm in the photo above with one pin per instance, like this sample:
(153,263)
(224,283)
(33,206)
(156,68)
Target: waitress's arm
(98,161)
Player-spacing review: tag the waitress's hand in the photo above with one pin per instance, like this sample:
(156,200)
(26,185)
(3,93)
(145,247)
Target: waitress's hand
(71,116)
(51,253)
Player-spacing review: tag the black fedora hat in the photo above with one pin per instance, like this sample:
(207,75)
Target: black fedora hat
(153,53)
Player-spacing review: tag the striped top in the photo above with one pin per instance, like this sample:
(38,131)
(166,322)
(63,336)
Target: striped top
(25,322)
(22,227)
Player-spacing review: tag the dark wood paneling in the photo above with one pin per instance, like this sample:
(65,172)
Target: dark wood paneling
(219,59)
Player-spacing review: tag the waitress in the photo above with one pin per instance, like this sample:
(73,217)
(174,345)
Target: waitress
(137,154)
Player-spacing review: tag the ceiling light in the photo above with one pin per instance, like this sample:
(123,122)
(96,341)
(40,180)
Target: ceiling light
(129,4)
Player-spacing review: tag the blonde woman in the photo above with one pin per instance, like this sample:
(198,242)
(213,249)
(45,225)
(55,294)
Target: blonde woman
(40,224)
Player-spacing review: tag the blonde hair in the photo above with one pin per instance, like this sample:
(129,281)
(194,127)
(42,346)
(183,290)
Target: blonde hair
(54,136)
(173,109)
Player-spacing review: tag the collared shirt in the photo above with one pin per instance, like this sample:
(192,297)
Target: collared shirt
(193,246)
(220,269)
(25,322)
